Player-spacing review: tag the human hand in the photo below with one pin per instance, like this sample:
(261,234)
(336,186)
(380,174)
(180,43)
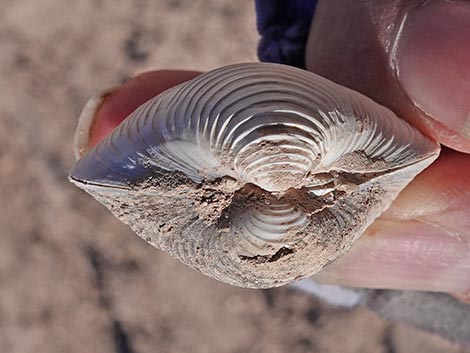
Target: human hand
(414,58)
(422,241)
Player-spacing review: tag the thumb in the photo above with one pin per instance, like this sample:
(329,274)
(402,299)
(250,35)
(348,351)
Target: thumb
(411,56)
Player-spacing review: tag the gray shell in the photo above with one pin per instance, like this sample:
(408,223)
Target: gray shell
(254,174)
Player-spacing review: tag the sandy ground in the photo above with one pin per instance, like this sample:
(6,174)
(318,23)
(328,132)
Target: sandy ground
(74,279)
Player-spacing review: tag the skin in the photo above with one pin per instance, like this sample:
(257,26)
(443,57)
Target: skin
(413,57)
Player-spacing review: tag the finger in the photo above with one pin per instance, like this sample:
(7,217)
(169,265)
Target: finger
(411,56)
(107,110)
(422,242)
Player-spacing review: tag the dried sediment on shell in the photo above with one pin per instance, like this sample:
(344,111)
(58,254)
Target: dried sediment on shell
(254,174)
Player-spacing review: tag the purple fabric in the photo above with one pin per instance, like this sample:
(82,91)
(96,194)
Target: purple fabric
(284,26)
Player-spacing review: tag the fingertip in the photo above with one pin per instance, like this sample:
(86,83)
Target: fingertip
(108,109)
(431,60)
(415,60)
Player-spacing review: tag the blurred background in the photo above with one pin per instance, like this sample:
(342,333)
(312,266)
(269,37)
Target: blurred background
(73,278)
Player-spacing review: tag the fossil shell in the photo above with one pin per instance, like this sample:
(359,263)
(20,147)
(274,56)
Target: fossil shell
(254,174)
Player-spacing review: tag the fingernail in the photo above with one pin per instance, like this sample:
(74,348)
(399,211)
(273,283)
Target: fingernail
(403,255)
(86,120)
(432,61)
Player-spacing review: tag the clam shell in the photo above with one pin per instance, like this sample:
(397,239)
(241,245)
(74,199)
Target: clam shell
(254,174)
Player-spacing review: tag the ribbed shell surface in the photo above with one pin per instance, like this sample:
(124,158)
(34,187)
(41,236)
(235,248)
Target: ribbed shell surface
(255,174)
